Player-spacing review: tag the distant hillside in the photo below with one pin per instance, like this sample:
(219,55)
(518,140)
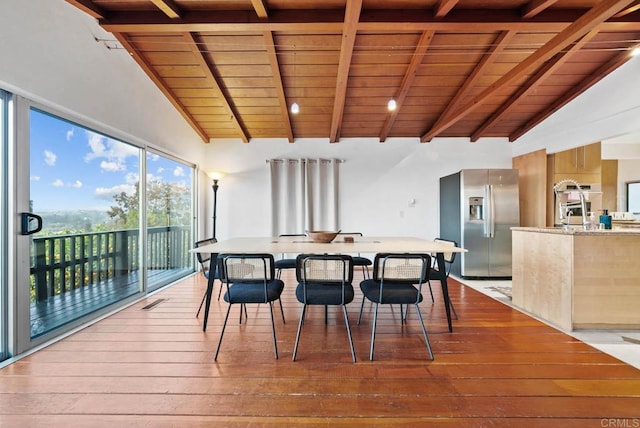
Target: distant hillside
(72,221)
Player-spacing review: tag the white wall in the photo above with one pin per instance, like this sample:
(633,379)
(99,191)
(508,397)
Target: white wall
(609,109)
(377,180)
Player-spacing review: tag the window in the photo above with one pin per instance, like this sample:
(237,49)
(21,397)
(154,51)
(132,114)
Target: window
(633,196)
(85,187)
(88,188)
(169,219)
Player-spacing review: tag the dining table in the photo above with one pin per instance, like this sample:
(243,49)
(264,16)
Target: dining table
(305,245)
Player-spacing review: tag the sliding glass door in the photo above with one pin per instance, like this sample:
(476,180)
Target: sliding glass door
(169,214)
(102,222)
(84,197)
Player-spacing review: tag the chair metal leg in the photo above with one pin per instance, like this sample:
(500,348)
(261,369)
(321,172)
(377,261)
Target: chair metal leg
(431,292)
(403,317)
(243,307)
(453,309)
(373,331)
(361,307)
(201,303)
(326,314)
(273,328)
(424,332)
(282,311)
(295,347)
(346,321)
(222,332)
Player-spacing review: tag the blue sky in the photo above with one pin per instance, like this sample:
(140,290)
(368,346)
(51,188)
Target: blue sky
(73,168)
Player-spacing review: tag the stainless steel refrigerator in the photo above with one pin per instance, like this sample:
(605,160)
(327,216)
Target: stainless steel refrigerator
(478,207)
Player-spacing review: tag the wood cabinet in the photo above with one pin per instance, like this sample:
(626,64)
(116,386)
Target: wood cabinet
(580,160)
(582,164)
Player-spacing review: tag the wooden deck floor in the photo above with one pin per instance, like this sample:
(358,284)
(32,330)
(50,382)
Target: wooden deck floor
(155,368)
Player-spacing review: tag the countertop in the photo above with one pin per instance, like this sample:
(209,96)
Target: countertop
(578,231)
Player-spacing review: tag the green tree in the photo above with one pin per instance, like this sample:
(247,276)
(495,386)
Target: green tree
(168,204)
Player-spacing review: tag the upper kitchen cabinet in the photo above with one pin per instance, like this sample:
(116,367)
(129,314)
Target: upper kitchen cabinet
(581,160)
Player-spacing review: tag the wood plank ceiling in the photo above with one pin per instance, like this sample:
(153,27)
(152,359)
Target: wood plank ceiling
(456,68)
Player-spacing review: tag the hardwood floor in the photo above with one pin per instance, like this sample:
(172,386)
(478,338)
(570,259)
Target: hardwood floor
(155,368)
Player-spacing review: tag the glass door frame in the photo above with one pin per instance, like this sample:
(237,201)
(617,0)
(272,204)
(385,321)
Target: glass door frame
(5,134)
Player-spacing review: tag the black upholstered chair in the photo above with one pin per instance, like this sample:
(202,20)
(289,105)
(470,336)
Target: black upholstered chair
(434,273)
(249,279)
(324,280)
(287,263)
(358,260)
(397,280)
(203,259)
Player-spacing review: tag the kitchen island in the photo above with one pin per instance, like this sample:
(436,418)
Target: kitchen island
(576,278)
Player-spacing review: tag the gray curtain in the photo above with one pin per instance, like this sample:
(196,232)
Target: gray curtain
(304,195)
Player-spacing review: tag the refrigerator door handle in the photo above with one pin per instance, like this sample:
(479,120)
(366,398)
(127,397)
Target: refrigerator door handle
(486,208)
(491,221)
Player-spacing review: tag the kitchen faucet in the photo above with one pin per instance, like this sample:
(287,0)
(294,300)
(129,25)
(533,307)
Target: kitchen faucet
(564,208)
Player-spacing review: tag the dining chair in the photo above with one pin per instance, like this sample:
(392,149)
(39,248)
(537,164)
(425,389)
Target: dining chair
(286,263)
(324,280)
(249,279)
(358,260)
(434,273)
(397,280)
(203,259)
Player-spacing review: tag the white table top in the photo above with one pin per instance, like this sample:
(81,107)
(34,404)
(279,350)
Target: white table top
(365,244)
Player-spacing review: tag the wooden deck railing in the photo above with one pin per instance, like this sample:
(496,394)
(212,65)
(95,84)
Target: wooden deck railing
(68,262)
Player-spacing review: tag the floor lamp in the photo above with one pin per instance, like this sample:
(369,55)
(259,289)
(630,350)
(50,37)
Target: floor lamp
(215,176)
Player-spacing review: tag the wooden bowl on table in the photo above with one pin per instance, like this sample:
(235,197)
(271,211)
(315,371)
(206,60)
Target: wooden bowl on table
(323,236)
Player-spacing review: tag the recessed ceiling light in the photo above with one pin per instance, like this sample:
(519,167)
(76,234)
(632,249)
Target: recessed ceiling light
(391,105)
(636,51)
(295,108)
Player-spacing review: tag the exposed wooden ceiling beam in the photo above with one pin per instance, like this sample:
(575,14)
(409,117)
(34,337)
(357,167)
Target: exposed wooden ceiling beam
(497,47)
(534,7)
(351,18)
(330,21)
(168,7)
(594,78)
(407,81)
(89,8)
(160,83)
(532,83)
(277,78)
(194,45)
(260,8)
(445,7)
(587,22)
(629,10)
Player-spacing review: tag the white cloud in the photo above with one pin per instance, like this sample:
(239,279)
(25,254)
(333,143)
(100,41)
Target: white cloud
(108,192)
(111,166)
(77,184)
(58,183)
(131,178)
(160,170)
(153,157)
(108,148)
(178,171)
(50,158)
(34,178)
(69,134)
